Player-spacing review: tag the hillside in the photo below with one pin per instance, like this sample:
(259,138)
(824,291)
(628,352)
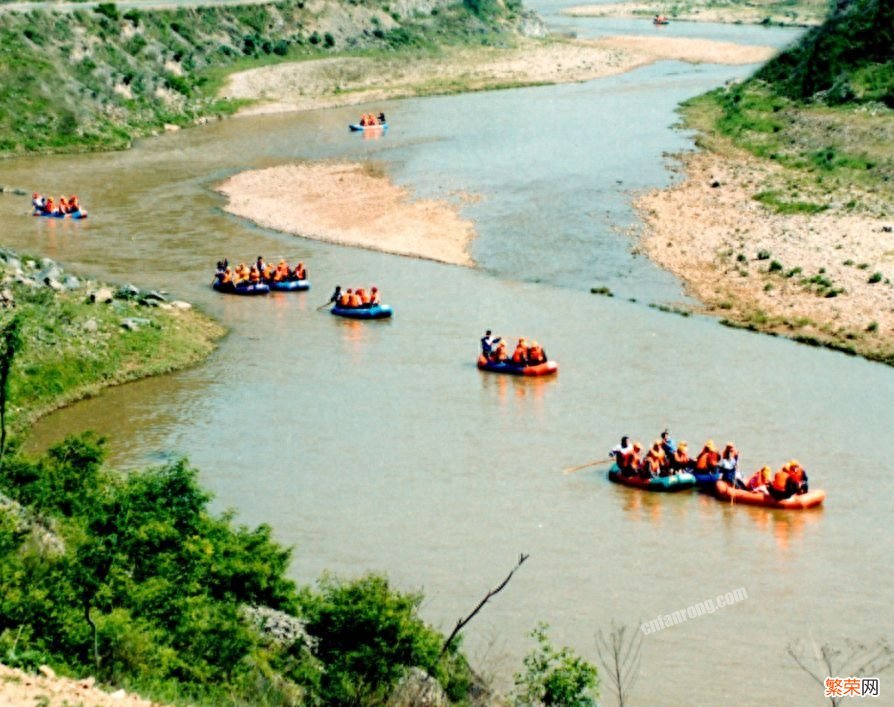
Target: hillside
(787,208)
(88,79)
(849,59)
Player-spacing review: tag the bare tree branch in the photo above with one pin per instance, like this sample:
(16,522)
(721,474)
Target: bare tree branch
(860,660)
(620,656)
(463,621)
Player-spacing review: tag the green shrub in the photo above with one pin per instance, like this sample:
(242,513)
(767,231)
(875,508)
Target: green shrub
(108,9)
(875,277)
(775,266)
(763,255)
(555,677)
(367,634)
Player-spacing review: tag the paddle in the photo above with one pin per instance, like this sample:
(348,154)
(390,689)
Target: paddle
(571,470)
(325,304)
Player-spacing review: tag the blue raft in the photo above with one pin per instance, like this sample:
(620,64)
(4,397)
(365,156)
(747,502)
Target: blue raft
(74,215)
(706,480)
(379,311)
(231,289)
(357,127)
(289,285)
(677,482)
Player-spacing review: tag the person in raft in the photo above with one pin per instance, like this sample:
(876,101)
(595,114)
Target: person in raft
(759,480)
(627,458)
(789,481)
(369,119)
(359,298)
(45,205)
(225,276)
(708,459)
(680,460)
(729,466)
(619,450)
(488,342)
(494,349)
(667,444)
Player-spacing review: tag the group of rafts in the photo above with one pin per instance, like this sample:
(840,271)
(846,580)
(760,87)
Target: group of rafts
(261,278)
(64,208)
(667,466)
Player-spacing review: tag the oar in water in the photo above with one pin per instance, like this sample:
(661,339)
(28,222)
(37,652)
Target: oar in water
(325,304)
(597,462)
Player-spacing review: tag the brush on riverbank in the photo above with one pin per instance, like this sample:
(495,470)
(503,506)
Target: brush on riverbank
(783,224)
(78,337)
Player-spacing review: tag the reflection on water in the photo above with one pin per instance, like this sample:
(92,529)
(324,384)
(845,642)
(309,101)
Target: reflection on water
(379,445)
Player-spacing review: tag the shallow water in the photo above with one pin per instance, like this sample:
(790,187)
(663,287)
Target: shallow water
(379,446)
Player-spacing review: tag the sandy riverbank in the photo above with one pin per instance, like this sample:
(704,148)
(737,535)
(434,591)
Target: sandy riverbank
(327,83)
(350,204)
(19,688)
(711,237)
(750,13)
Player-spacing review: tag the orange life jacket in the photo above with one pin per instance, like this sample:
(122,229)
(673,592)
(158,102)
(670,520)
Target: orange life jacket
(300,272)
(344,300)
(628,460)
(355,300)
(254,275)
(681,458)
(535,354)
(653,463)
(518,356)
(707,460)
(780,480)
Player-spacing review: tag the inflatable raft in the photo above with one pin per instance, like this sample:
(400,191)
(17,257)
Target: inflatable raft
(357,127)
(677,482)
(289,285)
(541,369)
(706,480)
(231,289)
(811,499)
(74,215)
(379,311)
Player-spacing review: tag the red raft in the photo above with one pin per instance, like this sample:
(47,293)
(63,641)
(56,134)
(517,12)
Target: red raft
(811,499)
(547,368)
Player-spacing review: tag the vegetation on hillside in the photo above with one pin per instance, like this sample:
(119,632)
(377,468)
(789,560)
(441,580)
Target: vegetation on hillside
(70,347)
(823,109)
(92,79)
(131,578)
(150,592)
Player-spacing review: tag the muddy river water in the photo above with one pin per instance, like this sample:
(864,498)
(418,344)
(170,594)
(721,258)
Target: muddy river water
(380,446)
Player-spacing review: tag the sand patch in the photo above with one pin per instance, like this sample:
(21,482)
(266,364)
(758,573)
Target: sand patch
(712,237)
(750,13)
(694,51)
(327,83)
(20,688)
(350,204)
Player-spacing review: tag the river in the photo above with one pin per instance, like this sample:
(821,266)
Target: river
(380,447)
